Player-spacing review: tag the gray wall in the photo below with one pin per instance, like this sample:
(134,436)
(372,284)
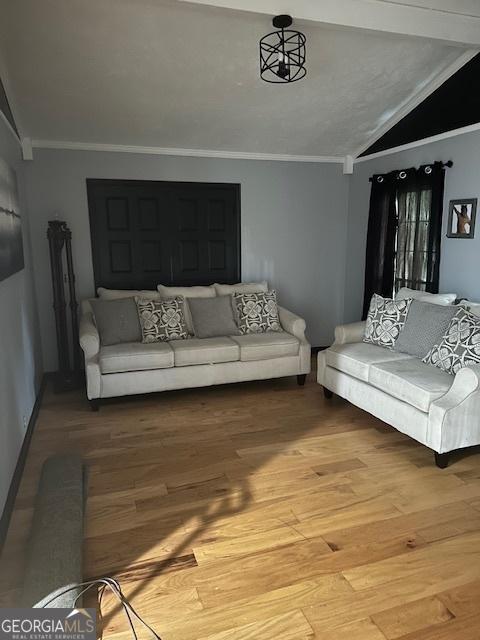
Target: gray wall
(20,363)
(293,224)
(460,259)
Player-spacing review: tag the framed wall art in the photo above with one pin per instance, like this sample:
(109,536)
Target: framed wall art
(461,218)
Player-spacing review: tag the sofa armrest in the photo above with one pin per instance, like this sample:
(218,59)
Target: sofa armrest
(454,419)
(292,323)
(89,338)
(466,382)
(346,333)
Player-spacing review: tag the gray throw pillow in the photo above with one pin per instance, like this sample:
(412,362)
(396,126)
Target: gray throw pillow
(117,321)
(213,317)
(424,327)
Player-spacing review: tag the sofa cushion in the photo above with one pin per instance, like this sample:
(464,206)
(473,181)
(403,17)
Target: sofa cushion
(410,380)
(213,317)
(186,292)
(118,294)
(136,356)
(241,287)
(204,351)
(424,327)
(263,346)
(355,358)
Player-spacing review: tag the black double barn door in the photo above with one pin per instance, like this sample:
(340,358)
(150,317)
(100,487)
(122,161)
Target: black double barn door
(175,233)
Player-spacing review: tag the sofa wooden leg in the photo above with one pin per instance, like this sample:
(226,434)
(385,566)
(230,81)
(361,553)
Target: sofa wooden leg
(441,460)
(94,404)
(301,379)
(327,393)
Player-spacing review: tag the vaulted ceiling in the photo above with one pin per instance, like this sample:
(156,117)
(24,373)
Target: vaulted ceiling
(173,74)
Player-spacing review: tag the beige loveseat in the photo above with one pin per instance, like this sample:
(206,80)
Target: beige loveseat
(135,368)
(439,410)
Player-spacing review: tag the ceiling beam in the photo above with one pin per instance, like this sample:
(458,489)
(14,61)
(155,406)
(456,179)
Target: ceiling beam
(450,27)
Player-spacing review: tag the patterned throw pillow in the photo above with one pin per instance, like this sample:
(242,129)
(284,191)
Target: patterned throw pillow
(473,307)
(385,320)
(460,346)
(162,320)
(257,312)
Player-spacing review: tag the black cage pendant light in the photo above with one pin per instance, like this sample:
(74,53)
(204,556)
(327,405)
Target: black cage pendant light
(282,53)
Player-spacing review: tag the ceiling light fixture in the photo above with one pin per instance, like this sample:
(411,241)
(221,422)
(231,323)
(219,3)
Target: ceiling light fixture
(282,53)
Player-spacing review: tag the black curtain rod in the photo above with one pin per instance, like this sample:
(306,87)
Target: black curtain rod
(448,164)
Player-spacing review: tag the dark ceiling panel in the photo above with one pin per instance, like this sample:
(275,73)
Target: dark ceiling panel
(455,104)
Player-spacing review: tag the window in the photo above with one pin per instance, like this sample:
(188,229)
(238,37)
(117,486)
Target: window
(404,231)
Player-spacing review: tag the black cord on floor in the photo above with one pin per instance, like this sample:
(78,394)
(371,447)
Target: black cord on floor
(116,589)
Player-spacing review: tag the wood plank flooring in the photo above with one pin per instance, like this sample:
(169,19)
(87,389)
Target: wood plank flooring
(262,511)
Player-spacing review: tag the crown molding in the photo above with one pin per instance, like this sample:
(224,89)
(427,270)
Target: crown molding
(420,143)
(408,106)
(172,151)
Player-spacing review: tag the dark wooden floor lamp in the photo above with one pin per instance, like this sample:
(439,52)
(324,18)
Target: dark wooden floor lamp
(68,375)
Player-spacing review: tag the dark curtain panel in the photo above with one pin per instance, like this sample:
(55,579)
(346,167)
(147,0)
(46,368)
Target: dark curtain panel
(419,212)
(382,224)
(404,231)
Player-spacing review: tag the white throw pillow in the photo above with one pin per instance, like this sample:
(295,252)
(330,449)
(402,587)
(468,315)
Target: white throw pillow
(118,294)
(424,296)
(187,292)
(241,287)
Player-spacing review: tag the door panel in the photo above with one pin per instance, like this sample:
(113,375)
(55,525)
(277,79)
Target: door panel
(145,233)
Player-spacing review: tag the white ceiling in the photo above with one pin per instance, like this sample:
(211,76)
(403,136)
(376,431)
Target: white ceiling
(164,73)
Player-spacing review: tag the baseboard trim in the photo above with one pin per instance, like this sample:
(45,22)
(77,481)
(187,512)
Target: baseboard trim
(20,466)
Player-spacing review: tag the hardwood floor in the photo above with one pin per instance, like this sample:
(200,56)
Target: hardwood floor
(263,511)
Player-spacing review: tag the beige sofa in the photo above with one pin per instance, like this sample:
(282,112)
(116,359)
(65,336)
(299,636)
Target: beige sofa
(135,368)
(439,410)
